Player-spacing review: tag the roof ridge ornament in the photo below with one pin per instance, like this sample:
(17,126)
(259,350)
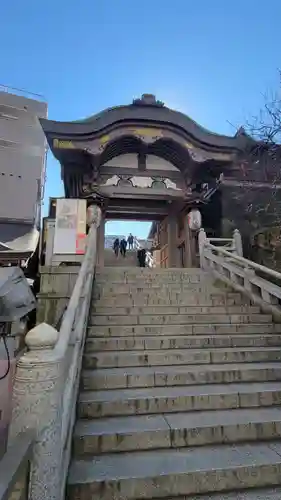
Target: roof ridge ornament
(148,100)
(241,131)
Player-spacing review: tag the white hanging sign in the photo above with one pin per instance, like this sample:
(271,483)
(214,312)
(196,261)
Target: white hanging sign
(194,220)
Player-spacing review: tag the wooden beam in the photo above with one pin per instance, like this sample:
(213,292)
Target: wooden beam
(100,242)
(142,161)
(134,216)
(141,193)
(172,226)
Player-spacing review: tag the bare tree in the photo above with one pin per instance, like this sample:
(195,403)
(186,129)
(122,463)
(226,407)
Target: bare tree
(262,164)
(266,127)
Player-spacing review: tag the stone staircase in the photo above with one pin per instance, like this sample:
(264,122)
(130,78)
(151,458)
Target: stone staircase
(180,392)
(110,258)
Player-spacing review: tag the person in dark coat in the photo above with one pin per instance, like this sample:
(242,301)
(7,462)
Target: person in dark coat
(123,247)
(130,241)
(142,257)
(116,246)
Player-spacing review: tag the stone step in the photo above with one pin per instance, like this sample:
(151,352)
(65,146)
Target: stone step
(179,430)
(131,261)
(109,287)
(110,259)
(181,342)
(189,471)
(184,329)
(252,494)
(133,278)
(155,275)
(179,319)
(121,402)
(152,310)
(159,271)
(157,279)
(150,285)
(182,274)
(168,357)
(170,376)
(174,299)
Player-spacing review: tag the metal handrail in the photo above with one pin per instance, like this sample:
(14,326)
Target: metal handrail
(20,92)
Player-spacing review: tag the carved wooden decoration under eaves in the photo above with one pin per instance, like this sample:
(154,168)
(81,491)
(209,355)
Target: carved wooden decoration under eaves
(133,182)
(146,136)
(141,182)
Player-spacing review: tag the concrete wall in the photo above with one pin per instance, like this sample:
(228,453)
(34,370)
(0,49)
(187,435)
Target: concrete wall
(6,391)
(22,157)
(56,287)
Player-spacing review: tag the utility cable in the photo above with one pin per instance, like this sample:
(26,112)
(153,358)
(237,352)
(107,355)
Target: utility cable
(3,336)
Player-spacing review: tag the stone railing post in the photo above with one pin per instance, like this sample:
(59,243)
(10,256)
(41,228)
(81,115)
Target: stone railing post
(37,405)
(202,238)
(237,239)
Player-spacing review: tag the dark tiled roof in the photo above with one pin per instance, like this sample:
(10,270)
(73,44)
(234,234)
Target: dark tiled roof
(156,114)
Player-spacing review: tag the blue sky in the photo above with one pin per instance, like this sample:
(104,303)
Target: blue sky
(211,59)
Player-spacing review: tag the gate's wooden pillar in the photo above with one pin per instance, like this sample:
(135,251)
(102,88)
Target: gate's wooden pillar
(100,242)
(188,244)
(172,240)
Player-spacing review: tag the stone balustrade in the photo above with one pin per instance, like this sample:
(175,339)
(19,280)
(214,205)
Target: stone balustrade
(47,380)
(47,376)
(240,273)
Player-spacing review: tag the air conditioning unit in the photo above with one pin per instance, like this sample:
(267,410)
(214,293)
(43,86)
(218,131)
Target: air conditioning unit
(16,297)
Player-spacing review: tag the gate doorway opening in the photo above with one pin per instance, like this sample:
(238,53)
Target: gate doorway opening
(134,235)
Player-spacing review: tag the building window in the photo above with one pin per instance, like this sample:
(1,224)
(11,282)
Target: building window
(8,117)
(9,144)
(10,112)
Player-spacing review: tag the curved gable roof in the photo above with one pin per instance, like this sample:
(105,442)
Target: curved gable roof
(145,109)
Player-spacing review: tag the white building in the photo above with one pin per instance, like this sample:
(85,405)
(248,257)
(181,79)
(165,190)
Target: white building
(22,171)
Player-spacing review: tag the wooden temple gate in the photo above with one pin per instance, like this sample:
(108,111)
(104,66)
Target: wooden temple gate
(145,161)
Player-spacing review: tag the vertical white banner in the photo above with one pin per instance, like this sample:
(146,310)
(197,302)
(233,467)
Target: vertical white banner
(66,226)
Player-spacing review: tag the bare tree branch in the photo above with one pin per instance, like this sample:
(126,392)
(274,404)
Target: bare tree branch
(263,164)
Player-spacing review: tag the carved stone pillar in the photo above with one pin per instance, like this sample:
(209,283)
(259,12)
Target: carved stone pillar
(237,239)
(202,238)
(37,406)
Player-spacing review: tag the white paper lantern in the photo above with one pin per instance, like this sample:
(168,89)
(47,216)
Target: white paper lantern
(194,220)
(93,215)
